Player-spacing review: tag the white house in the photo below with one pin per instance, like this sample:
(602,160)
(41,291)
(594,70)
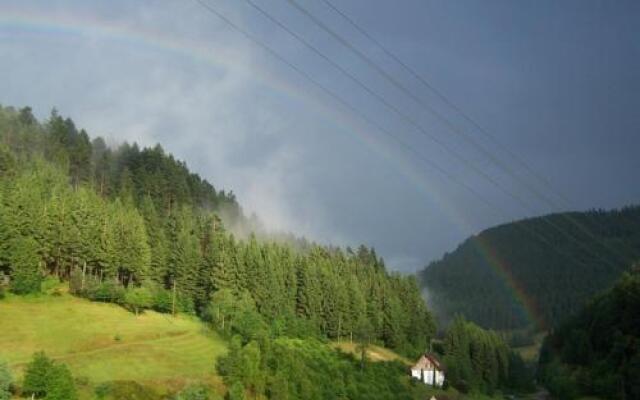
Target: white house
(428,370)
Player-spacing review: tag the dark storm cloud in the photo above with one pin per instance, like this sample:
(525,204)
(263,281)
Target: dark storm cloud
(557,82)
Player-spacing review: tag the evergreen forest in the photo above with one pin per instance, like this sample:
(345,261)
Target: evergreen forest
(558,262)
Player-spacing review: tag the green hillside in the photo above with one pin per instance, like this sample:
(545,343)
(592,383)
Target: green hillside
(103,342)
(537,270)
(136,229)
(597,352)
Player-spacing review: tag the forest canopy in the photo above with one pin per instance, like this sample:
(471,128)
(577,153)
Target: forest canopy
(540,270)
(135,227)
(597,352)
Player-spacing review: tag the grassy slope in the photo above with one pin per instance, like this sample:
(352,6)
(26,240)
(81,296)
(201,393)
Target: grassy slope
(153,348)
(530,353)
(378,353)
(374,353)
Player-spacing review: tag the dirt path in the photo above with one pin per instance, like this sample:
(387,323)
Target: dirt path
(107,348)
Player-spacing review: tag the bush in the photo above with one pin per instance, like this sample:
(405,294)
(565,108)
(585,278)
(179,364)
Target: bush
(50,285)
(559,381)
(6,380)
(185,304)
(83,381)
(162,300)
(75,283)
(102,390)
(119,390)
(109,292)
(237,392)
(138,299)
(194,392)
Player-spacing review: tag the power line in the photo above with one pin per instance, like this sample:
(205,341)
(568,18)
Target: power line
(467,118)
(447,101)
(451,126)
(415,124)
(337,98)
(443,119)
(392,107)
(354,110)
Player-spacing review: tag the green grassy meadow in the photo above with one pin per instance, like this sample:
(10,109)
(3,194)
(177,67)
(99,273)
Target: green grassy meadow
(103,342)
(374,353)
(530,353)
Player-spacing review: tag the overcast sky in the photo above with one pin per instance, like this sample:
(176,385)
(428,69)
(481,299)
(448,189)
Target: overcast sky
(557,83)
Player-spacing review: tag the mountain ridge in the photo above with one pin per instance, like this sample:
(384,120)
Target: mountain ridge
(535,271)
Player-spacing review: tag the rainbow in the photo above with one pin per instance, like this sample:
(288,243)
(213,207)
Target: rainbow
(19,22)
(15,21)
(517,292)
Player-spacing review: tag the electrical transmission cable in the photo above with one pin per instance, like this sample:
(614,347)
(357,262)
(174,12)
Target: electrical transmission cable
(541,178)
(448,102)
(449,124)
(415,124)
(495,209)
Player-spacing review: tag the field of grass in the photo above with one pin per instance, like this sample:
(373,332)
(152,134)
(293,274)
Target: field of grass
(374,353)
(530,353)
(103,342)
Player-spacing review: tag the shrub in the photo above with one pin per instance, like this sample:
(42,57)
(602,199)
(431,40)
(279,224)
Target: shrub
(194,392)
(83,381)
(110,292)
(138,299)
(102,390)
(43,377)
(162,300)
(50,285)
(75,283)
(6,380)
(185,304)
(119,390)
(237,392)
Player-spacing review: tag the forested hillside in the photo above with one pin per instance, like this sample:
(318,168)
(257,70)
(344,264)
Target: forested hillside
(135,226)
(540,270)
(597,352)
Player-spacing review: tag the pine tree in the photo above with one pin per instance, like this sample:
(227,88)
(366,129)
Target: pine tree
(221,265)
(158,242)
(357,310)
(222,308)
(185,262)
(36,376)
(24,261)
(252,371)
(131,248)
(60,385)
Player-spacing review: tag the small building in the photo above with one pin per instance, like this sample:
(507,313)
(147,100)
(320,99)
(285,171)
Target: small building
(428,370)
